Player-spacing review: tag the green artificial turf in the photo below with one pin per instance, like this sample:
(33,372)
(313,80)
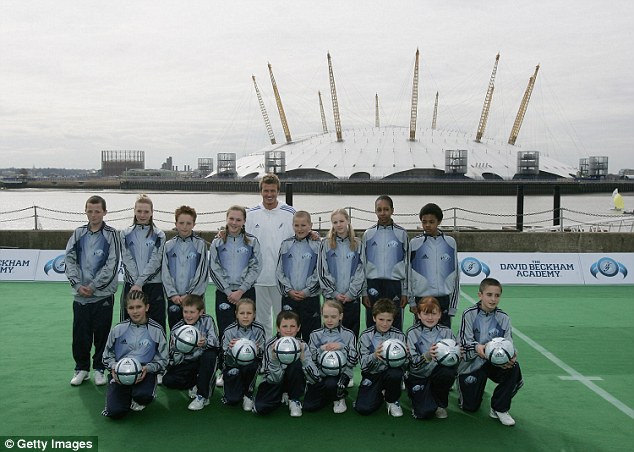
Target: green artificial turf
(589,329)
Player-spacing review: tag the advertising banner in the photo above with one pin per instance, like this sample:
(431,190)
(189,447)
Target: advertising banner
(508,268)
(35,265)
(521,268)
(51,266)
(608,268)
(18,265)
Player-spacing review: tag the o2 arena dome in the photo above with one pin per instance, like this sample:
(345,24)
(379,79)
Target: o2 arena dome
(391,152)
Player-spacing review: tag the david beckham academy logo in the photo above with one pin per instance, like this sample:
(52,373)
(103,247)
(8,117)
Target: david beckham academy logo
(472,267)
(608,267)
(56,264)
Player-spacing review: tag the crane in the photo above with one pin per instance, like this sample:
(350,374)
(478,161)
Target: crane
(280,107)
(487,102)
(265,115)
(523,106)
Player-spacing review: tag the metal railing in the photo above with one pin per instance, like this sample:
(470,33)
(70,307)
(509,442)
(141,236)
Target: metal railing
(455,218)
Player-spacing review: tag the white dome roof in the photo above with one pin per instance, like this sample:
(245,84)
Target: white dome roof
(385,152)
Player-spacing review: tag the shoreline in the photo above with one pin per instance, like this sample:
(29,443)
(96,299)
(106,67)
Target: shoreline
(454,187)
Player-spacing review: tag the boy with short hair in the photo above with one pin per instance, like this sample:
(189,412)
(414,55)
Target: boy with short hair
(481,323)
(194,371)
(185,264)
(297,274)
(433,270)
(378,380)
(92,264)
(287,380)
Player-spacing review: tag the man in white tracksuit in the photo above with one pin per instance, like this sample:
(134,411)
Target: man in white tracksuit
(271,222)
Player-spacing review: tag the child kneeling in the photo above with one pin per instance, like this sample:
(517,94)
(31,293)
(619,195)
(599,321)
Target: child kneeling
(333,336)
(239,379)
(285,382)
(194,370)
(140,338)
(379,381)
(480,324)
(428,383)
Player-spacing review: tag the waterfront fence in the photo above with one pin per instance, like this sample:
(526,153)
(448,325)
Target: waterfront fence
(455,219)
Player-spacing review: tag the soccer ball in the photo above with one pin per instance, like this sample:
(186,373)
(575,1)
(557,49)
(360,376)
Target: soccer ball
(244,351)
(186,338)
(447,352)
(128,370)
(499,351)
(333,362)
(287,350)
(394,352)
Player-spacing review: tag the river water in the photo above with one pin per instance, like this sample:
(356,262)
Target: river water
(63,209)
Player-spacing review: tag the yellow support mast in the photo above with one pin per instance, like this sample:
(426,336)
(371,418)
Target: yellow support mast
(377,123)
(280,107)
(487,102)
(414,111)
(433,121)
(265,115)
(335,103)
(523,106)
(324,125)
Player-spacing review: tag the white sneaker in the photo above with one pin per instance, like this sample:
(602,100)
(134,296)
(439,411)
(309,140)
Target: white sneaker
(159,379)
(339,406)
(100,378)
(441,413)
(394,409)
(285,398)
(295,408)
(351,383)
(198,403)
(79,377)
(136,406)
(247,403)
(504,417)
(219,381)
(193,392)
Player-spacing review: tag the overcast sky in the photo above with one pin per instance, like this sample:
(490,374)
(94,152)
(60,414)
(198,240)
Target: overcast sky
(173,78)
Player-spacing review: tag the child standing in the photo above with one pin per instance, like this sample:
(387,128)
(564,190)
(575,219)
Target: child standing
(141,255)
(235,263)
(289,379)
(341,273)
(92,265)
(194,371)
(184,265)
(481,323)
(385,261)
(428,383)
(297,274)
(239,381)
(379,381)
(141,338)
(433,270)
(333,336)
